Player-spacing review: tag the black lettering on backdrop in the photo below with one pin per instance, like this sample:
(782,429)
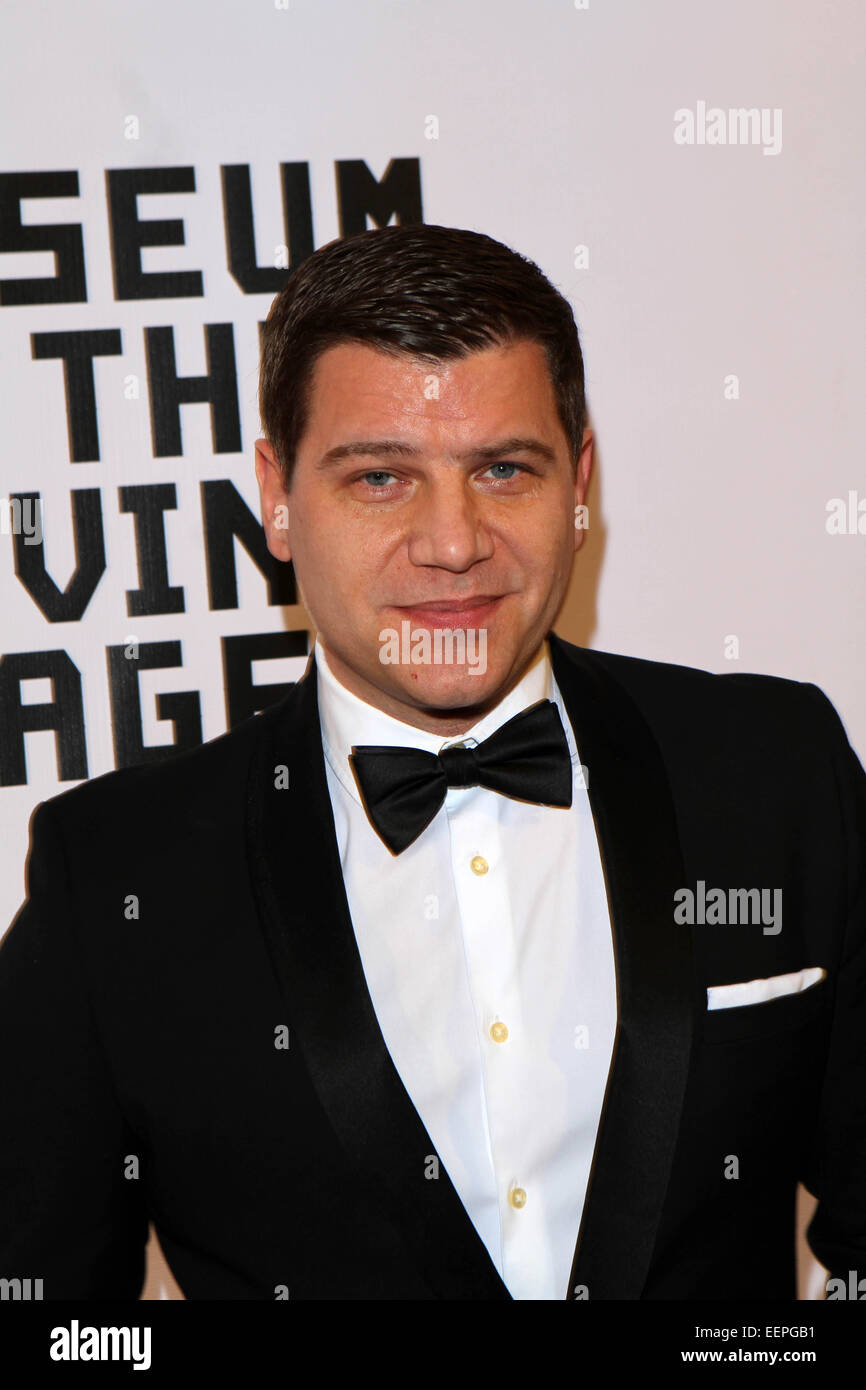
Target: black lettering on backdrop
(168,391)
(182,707)
(362,199)
(147,502)
(361,195)
(226,518)
(64,605)
(77,348)
(242,697)
(64,714)
(129,234)
(240,226)
(68,284)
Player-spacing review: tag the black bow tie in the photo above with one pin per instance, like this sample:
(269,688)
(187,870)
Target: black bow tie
(403,788)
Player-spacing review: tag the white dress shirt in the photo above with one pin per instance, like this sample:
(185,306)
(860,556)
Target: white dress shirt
(487,951)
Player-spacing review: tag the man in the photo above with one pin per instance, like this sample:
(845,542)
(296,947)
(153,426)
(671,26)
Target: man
(560,1001)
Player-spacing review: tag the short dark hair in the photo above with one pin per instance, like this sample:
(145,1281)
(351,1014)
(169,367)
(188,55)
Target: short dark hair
(420,290)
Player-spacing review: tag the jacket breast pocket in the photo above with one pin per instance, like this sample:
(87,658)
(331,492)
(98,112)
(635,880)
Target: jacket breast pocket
(786,1013)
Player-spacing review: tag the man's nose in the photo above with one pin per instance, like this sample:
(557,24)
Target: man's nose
(447,527)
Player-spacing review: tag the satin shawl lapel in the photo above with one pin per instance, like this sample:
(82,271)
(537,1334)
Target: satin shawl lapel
(298,881)
(656,994)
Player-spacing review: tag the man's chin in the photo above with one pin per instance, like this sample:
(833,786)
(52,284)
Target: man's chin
(450,689)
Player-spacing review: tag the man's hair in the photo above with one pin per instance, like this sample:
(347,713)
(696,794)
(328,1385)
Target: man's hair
(432,293)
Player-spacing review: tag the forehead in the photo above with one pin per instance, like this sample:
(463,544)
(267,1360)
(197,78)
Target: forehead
(354,385)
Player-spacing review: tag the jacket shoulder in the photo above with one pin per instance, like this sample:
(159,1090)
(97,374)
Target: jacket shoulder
(179,786)
(674,698)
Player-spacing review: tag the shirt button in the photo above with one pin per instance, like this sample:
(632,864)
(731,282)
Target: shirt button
(498,1032)
(517,1197)
(479,865)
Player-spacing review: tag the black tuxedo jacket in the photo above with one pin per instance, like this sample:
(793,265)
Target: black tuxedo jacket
(181,914)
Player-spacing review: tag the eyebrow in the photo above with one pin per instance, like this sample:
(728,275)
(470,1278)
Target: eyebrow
(397,448)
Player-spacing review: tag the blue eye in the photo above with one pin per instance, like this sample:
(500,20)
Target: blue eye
(518,466)
(377,473)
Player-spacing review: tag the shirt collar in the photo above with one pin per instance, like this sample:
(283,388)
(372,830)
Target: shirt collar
(347,721)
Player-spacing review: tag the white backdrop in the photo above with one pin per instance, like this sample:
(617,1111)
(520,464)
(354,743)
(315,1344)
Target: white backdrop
(718,286)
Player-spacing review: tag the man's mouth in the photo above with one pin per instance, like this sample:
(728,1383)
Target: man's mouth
(474,611)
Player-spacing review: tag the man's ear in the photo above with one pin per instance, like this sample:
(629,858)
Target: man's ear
(274,500)
(581,486)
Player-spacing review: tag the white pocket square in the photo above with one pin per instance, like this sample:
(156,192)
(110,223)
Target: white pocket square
(759,991)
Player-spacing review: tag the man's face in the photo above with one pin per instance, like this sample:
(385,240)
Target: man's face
(457,490)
